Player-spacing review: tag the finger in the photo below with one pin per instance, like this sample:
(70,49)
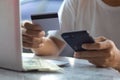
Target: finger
(25,21)
(91,54)
(36,43)
(41,34)
(101,62)
(35,33)
(29,45)
(27,38)
(31,26)
(98,62)
(31,39)
(100,39)
(99,45)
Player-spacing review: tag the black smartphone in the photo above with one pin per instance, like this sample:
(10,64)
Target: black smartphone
(76,39)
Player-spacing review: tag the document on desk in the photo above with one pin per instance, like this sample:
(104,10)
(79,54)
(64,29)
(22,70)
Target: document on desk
(32,62)
(40,65)
(47,21)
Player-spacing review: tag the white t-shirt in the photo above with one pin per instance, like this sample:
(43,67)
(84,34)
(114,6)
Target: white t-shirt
(94,16)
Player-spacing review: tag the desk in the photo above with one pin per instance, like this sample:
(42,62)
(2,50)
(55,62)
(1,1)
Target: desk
(76,70)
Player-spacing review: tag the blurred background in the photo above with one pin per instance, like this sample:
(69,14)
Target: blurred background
(29,7)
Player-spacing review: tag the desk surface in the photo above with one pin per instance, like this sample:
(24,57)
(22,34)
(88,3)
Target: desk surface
(76,70)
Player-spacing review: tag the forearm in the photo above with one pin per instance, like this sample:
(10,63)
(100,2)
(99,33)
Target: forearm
(50,47)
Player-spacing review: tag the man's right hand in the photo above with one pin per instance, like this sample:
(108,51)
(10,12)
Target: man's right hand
(32,35)
(34,39)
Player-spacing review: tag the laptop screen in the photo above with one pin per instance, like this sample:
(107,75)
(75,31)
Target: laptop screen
(10,39)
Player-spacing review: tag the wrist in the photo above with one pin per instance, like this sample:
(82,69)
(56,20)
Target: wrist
(48,48)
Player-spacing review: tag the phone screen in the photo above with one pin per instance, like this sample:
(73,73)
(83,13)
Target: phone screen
(76,39)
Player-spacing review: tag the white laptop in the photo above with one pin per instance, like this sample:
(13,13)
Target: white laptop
(11,41)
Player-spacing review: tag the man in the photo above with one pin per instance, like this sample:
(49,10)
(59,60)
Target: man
(99,17)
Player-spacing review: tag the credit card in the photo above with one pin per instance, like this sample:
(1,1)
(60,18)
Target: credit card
(47,21)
